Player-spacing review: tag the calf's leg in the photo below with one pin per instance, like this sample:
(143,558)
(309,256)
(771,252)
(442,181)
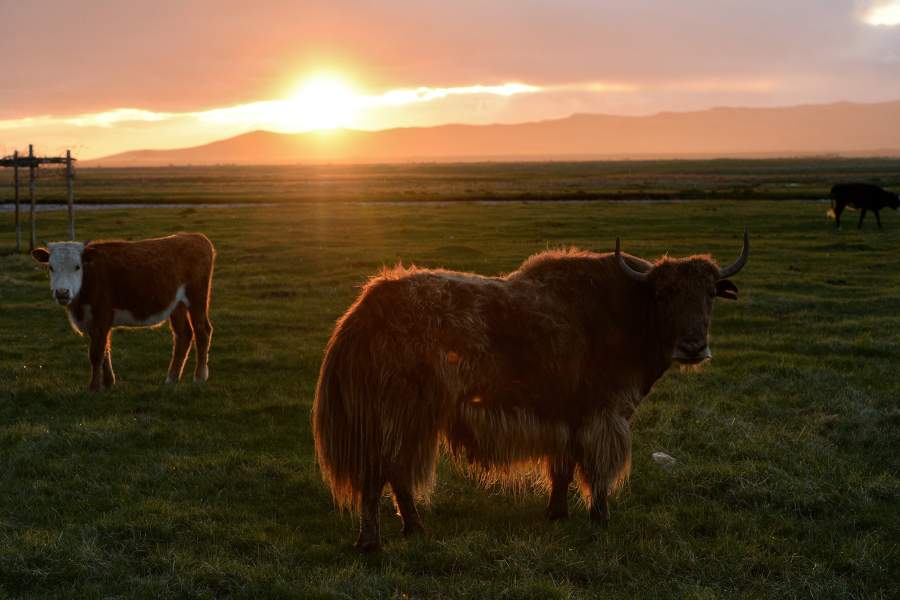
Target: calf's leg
(878,219)
(109,376)
(97,354)
(202,338)
(862,215)
(182,336)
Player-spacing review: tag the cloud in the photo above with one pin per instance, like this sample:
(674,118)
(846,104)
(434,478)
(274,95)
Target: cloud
(883,13)
(27,122)
(330,103)
(175,56)
(319,105)
(429,94)
(119,115)
(282,114)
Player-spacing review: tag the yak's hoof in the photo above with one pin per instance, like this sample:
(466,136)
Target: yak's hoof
(413,530)
(600,518)
(367,546)
(556,514)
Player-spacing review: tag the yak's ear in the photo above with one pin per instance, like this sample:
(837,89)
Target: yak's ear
(42,255)
(726,289)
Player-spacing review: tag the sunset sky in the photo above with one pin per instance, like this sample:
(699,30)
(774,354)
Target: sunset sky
(102,77)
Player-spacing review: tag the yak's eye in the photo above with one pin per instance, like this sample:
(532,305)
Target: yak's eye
(77,267)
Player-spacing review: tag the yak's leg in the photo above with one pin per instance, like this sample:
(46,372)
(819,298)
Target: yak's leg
(202,338)
(862,215)
(109,376)
(878,219)
(560,471)
(838,209)
(97,354)
(606,461)
(182,336)
(369,538)
(406,508)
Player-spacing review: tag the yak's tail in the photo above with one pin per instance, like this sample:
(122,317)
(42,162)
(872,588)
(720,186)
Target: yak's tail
(370,426)
(346,432)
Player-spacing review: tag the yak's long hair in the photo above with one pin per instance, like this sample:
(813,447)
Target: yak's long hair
(401,375)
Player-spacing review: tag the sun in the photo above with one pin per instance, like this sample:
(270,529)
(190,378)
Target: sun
(324,102)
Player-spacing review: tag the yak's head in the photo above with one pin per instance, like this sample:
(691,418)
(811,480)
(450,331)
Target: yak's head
(684,290)
(64,260)
(894,201)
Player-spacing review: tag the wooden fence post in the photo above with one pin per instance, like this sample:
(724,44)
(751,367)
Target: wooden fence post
(71,197)
(16,196)
(31,195)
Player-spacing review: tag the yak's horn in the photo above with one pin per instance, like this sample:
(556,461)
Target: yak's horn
(737,265)
(626,268)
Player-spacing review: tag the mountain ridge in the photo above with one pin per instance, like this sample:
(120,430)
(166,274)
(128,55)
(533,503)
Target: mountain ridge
(840,128)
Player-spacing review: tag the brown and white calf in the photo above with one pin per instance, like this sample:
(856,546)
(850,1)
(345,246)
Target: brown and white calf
(107,284)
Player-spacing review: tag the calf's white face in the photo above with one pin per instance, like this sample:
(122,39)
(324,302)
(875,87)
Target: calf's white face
(64,261)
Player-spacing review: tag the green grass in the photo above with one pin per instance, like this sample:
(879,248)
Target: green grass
(727,179)
(788,442)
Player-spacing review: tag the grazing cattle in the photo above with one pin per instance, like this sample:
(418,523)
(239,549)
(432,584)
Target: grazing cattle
(544,365)
(862,197)
(107,284)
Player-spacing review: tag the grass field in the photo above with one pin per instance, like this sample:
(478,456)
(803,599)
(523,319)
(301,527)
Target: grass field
(727,179)
(787,443)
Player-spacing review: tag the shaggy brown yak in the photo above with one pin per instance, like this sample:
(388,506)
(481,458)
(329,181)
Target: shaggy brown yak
(135,284)
(546,364)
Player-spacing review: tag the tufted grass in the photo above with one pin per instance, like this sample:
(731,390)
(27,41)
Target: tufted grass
(787,444)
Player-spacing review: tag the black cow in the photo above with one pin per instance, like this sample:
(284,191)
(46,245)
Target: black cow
(862,197)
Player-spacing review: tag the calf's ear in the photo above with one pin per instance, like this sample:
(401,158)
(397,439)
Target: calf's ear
(726,289)
(42,255)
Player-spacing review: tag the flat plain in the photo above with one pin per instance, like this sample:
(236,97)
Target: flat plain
(787,473)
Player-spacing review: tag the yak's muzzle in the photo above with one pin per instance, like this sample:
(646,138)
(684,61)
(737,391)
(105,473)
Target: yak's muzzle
(687,356)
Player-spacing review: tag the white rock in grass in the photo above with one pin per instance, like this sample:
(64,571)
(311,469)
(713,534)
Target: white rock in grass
(663,459)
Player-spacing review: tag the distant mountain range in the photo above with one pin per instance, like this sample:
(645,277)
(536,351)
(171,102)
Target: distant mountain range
(841,128)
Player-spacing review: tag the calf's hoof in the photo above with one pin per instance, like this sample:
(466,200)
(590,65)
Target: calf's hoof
(201,375)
